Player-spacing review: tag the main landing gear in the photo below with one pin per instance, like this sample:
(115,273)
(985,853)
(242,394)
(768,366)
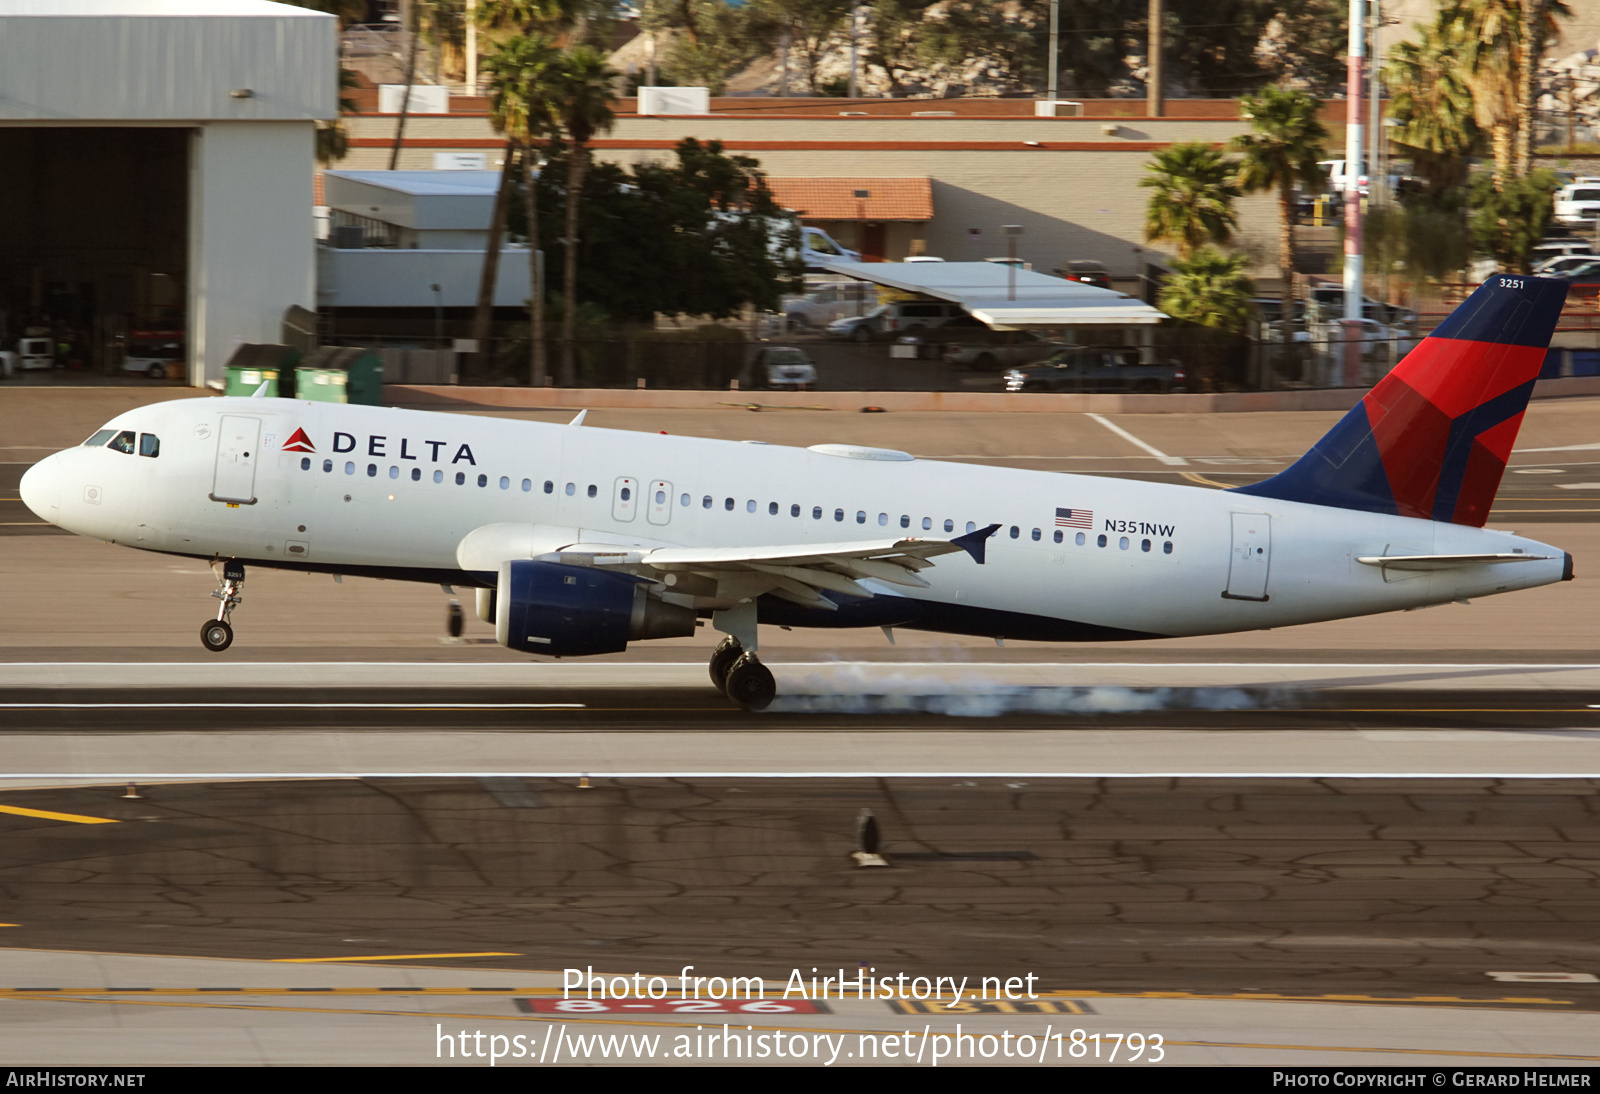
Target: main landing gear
(217,634)
(741,676)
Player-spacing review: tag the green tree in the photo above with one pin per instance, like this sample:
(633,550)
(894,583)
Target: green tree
(1209,288)
(693,237)
(1508,219)
(1209,291)
(524,82)
(1281,154)
(1305,45)
(583,92)
(1194,187)
(1431,103)
(1502,41)
(810,26)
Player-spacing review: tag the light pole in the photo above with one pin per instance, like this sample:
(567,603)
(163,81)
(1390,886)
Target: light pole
(438,316)
(1012,231)
(861,226)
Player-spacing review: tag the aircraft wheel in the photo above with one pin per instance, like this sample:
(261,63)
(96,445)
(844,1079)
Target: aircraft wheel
(722,659)
(216,635)
(751,685)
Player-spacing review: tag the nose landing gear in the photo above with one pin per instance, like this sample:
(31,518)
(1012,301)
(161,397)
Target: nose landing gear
(217,634)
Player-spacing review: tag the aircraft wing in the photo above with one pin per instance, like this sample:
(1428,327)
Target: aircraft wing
(723,576)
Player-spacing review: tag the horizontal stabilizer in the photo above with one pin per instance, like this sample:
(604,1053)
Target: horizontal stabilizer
(1443,562)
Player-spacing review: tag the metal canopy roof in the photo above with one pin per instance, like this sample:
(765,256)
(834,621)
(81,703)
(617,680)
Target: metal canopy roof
(1005,297)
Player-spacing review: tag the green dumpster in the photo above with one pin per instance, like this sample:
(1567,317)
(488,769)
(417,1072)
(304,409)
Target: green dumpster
(321,385)
(247,381)
(257,363)
(341,374)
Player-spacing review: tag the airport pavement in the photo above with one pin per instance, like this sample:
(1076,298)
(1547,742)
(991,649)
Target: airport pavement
(1383,887)
(233,1012)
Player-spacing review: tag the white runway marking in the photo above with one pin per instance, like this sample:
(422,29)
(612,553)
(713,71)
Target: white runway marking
(1175,461)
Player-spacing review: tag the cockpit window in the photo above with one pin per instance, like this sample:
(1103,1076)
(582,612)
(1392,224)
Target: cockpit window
(149,445)
(123,442)
(100,438)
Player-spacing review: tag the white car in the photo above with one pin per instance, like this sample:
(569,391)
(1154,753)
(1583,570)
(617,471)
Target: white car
(1578,203)
(1563,263)
(827,302)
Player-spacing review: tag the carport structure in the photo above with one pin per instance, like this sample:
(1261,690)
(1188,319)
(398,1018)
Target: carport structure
(158,171)
(1005,297)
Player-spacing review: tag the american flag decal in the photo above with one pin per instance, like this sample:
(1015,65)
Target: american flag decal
(1074,518)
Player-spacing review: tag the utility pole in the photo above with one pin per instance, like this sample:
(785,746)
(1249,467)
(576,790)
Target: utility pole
(1152,87)
(472,47)
(1352,195)
(855,36)
(405,94)
(1053,84)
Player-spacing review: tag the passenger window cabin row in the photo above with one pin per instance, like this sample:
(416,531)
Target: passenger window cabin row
(730,505)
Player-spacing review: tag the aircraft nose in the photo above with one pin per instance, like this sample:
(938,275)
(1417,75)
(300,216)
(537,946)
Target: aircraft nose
(41,489)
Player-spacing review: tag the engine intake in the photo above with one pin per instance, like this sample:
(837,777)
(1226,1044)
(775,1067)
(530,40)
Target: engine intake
(576,611)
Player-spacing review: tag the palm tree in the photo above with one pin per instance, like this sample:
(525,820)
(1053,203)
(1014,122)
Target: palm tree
(523,74)
(1281,153)
(1195,188)
(1503,40)
(1209,288)
(583,86)
(1431,103)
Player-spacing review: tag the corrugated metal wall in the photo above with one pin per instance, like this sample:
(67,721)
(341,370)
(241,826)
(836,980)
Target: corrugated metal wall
(61,69)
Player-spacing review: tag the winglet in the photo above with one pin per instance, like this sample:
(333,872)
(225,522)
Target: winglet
(261,392)
(974,542)
(579,419)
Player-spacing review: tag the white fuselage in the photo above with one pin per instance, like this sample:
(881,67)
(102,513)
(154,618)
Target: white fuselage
(397,491)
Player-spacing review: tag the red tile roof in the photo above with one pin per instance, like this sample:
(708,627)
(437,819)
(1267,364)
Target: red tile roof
(834,198)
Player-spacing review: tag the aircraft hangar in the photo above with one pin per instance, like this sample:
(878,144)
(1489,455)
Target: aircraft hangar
(156,175)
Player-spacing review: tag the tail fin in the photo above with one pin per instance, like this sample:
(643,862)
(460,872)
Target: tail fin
(1431,440)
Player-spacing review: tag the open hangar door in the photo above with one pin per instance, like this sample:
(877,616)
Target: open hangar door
(94,244)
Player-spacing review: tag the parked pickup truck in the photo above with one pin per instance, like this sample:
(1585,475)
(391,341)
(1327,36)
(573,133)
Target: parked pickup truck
(1096,370)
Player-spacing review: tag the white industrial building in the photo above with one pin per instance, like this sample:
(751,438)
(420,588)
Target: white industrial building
(158,160)
(414,239)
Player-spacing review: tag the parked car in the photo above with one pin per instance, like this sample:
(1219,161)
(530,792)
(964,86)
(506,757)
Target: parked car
(1578,203)
(1083,369)
(34,353)
(912,316)
(971,344)
(779,367)
(157,360)
(1550,247)
(897,318)
(1374,337)
(1582,280)
(825,303)
(859,328)
(1328,303)
(1087,271)
(1550,267)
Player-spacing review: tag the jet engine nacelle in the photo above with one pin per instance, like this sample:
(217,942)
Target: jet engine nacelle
(575,611)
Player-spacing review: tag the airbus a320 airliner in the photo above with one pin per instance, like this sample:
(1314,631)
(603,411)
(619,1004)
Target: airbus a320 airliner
(580,540)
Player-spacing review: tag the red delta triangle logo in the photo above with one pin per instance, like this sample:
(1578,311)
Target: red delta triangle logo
(299,443)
